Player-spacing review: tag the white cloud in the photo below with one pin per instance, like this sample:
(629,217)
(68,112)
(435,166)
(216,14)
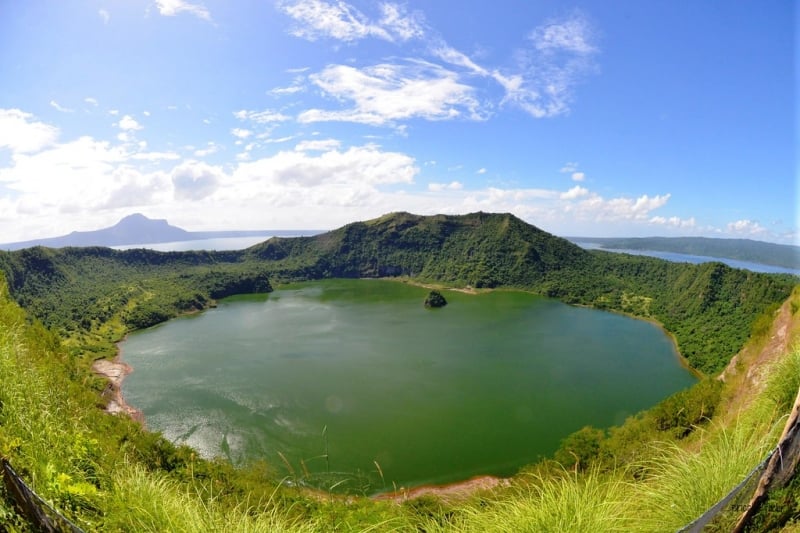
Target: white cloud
(195,180)
(573,34)
(578,176)
(746,227)
(241,133)
(386,93)
(91,101)
(452,186)
(211,148)
(339,20)
(321,145)
(542,82)
(674,222)
(569,167)
(292,89)
(60,108)
(20,132)
(170,8)
(105,15)
(155,156)
(481,171)
(261,117)
(64,177)
(357,167)
(128,123)
(575,192)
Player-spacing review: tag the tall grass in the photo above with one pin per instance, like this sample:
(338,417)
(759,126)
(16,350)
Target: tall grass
(146,501)
(568,502)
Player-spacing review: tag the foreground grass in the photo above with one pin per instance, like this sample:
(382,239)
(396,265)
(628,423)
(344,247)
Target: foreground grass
(106,474)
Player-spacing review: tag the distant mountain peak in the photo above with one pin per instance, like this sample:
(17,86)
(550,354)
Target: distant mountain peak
(132,229)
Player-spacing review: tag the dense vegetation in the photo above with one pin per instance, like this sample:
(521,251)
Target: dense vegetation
(109,474)
(710,308)
(766,253)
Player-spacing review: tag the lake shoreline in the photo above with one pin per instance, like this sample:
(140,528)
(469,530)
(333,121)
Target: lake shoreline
(116,370)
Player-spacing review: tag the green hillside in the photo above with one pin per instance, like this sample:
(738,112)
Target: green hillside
(662,468)
(710,308)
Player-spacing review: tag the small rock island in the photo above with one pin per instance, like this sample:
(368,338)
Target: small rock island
(435,299)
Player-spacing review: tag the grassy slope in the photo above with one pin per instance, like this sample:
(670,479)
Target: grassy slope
(106,474)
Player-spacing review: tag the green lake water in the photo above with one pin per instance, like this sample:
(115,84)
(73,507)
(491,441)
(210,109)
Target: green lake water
(361,371)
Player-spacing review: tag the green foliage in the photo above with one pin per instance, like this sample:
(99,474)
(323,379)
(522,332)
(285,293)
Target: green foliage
(435,299)
(684,410)
(710,308)
(581,449)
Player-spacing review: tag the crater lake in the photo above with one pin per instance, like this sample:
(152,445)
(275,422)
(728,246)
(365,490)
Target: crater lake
(354,384)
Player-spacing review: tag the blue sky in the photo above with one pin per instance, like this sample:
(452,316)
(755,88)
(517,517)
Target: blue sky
(597,118)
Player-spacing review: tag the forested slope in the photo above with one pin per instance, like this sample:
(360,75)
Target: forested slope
(710,308)
(766,253)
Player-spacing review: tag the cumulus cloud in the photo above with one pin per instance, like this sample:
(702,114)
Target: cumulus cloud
(241,133)
(21,132)
(128,123)
(746,227)
(355,166)
(575,192)
(195,180)
(675,222)
(481,171)
(67,176)
(341,21)
(578,176)
(170,8)
(385,93)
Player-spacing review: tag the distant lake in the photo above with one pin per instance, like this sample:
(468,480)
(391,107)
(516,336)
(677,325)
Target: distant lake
(225,243)
(695,259)
(219,243)
(361,371)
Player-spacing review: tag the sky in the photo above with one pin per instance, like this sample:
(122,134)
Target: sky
(584,118)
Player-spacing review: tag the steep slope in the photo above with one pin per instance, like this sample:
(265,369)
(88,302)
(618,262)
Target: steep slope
(479,249)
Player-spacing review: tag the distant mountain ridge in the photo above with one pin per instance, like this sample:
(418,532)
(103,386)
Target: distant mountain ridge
(766,253)
(133,229)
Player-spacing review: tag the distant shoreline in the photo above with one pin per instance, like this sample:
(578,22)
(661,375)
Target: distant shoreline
(115,371)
